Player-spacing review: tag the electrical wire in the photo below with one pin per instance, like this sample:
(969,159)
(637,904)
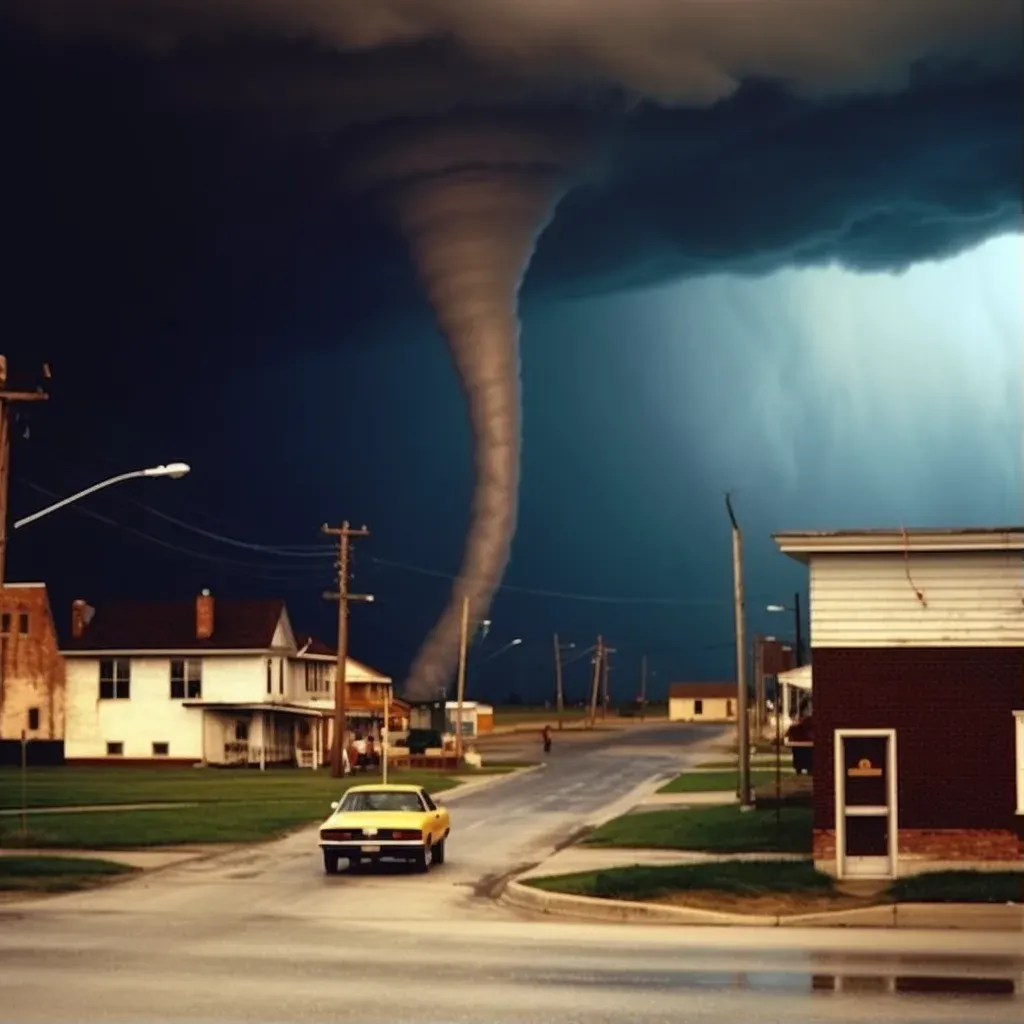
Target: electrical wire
(252,568)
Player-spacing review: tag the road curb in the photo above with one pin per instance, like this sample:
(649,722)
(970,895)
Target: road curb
(961,916)
(491,779)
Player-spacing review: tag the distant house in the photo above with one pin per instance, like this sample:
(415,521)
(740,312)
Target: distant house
(31,669)
(205,681)
(917,639)
(702,702)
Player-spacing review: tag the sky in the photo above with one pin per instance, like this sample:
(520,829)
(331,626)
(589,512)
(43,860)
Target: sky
(785,269)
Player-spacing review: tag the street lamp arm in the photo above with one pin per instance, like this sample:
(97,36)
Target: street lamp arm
(175,469)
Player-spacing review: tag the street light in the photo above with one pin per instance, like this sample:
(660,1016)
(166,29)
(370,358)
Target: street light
(501,650)
(798,626)
(174,470)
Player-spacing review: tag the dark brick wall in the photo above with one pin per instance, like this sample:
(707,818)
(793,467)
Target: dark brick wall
(951,709)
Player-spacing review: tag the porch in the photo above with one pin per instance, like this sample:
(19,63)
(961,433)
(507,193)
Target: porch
(263,735)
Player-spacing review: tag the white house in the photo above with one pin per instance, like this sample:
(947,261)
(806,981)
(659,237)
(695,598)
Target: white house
(204,682)
(702,702)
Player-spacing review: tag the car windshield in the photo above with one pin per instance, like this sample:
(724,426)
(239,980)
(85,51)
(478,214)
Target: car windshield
(371,801)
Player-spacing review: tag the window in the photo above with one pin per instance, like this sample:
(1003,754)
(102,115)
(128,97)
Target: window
(431,806)
(5,623)
(241,732)
(186,679)
(316,677)
(115,749)
(23,623)
(280,676)
(115,679)
(698,707)
(270,676)
(33,719)
(1019,747)
(161,749)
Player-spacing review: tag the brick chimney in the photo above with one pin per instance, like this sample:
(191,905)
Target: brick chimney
(81,616)
(204,616)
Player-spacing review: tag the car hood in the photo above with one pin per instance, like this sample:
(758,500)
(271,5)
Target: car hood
(375,819)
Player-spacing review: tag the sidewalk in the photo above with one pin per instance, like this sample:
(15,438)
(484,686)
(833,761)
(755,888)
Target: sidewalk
(575,859)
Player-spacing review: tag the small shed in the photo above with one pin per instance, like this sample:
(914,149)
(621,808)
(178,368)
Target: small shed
(476,718)
(702,702)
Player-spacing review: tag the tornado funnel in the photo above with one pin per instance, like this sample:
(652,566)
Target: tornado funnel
(471,235)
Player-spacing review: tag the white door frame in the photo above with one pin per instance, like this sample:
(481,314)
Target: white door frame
(881,867)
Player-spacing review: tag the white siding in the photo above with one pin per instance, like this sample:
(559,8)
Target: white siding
(970,600)
(149,716)
(713,709)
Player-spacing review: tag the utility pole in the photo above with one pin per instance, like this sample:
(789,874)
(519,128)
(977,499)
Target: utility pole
(605,692)
(345,533)
(742,717)
(460,693)
(598,663)
(559,693)
(7,400)
(759,694)
(643,687)
(799,630)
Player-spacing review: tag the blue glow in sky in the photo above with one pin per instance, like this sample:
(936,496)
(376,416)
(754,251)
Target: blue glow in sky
(832,394)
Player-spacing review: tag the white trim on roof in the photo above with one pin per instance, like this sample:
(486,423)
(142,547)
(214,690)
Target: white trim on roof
(997,538)
(24,586)
(171,652)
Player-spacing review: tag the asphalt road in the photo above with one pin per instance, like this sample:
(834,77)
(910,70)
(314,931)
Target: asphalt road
(263,935)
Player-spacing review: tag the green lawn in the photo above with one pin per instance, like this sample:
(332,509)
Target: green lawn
(715,782)
(234,806)
(960,887)
(539,716)
(792,881)
(733,877)
(56,874)
(83,786)
(710,829)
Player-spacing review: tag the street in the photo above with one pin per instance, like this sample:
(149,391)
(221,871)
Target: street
(261,934)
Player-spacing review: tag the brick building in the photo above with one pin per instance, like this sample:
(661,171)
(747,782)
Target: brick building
(917,642)
(31,669)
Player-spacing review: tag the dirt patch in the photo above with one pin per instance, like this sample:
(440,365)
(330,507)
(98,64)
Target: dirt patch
(783,905)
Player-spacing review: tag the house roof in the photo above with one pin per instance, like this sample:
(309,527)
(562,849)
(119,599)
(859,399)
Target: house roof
(245,625)
(952,540)
(306,643)
(701,691)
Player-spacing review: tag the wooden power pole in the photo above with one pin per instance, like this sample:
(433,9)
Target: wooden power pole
(598,665)
(345,533)
(605,691)
(742,716)
(7,400)
(559,692)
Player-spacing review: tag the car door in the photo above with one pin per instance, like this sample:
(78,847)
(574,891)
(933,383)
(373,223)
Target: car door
(435,819)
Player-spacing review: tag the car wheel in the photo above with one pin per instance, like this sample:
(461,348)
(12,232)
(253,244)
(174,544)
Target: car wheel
(425,858)
(330,862)
(439,852)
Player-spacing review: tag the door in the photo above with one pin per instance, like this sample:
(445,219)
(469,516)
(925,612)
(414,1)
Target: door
(866,818)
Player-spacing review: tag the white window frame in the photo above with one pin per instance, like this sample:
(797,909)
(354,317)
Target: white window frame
(839,783)
(1018,747)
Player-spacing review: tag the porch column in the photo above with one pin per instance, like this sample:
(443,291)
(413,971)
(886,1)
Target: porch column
(785,703)
(263,741)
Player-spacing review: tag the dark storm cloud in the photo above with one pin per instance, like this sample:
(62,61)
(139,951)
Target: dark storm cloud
(686,136)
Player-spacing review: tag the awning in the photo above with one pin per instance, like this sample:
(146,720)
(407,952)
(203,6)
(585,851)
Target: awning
(286,709)
(799,678)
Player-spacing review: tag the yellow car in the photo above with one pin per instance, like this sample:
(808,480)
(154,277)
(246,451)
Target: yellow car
(379,822)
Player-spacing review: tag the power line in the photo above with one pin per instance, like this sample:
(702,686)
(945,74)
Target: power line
(254,568)
(282,550)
